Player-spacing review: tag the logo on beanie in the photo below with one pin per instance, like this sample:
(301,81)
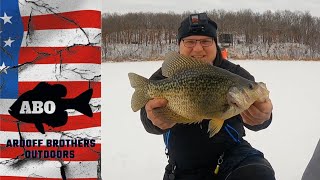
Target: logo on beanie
(194,19)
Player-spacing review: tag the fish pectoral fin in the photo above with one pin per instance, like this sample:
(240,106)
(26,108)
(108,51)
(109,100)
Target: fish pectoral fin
(40,127)
(214,126)
(170,116)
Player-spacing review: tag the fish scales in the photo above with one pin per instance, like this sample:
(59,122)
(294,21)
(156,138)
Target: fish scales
(191,92)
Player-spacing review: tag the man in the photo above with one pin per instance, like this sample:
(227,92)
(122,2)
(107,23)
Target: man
(312,170)
(192,154)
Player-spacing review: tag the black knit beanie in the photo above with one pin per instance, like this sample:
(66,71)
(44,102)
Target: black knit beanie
(197,24)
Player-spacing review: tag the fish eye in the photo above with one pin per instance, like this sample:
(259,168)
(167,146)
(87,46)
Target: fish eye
(251,86)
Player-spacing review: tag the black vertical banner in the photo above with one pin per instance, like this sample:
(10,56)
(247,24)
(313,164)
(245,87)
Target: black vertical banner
(50,89)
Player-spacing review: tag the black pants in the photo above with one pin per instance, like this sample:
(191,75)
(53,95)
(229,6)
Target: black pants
(242,163)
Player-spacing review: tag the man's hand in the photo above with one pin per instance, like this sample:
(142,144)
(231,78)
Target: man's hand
(156,120)
(257,113)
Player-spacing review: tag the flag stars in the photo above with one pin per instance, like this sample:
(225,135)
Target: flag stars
(3,68)
(6,19)
(8,42)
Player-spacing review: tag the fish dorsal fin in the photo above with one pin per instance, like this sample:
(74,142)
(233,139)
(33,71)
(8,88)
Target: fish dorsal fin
(41,86)
(175,62)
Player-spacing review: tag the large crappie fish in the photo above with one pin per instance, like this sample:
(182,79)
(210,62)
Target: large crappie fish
(196,91)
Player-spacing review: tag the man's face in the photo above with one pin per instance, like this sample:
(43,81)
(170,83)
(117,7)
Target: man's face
(205,52)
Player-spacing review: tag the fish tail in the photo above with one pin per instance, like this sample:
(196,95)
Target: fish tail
(214,126)
(140,96)
(81,103)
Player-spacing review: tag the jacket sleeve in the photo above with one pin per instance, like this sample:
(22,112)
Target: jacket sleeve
(237,69)
(147,124)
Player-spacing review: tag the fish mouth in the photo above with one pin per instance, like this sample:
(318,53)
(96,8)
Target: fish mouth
(263,92)
(11,112)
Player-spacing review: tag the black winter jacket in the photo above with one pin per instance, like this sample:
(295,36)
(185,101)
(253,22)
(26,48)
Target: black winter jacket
(189,145)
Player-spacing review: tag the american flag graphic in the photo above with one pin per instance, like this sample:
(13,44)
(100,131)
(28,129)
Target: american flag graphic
(54,41)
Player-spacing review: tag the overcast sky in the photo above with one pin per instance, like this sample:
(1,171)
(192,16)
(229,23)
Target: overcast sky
(178,6)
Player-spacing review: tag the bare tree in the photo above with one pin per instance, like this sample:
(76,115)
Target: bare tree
(157,30)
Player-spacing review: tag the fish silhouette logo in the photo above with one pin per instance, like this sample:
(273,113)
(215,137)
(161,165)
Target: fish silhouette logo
(45,104)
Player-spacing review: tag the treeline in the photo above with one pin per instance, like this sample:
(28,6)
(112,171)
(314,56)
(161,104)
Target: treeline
(247,27)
